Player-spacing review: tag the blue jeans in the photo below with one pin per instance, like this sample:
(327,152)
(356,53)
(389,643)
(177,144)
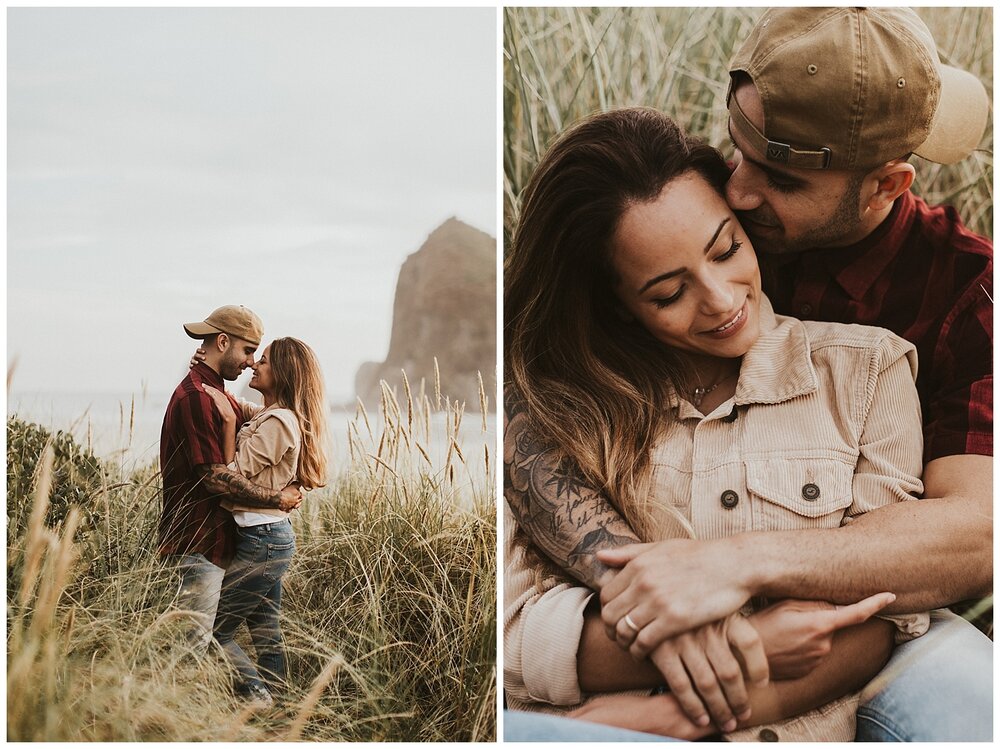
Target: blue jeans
(198,592)
(938,687)
(523,726)
(251,593)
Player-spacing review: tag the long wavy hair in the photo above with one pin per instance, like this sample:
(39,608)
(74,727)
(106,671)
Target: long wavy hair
(594,383)
(298,386)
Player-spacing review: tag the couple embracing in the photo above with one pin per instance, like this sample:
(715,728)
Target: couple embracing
(233,472)
(712,523)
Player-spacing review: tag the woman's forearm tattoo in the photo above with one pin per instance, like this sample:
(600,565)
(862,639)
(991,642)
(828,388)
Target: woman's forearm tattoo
(563,516)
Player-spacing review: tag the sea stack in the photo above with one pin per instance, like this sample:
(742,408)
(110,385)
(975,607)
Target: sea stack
(445,307)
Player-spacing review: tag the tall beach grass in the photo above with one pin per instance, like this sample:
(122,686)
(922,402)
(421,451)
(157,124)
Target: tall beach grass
(388,611)
(561,64)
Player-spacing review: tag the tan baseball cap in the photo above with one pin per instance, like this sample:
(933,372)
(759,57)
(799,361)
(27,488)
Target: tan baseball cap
(852,88)
(234,319)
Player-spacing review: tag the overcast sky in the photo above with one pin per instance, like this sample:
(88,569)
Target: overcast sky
(163,162)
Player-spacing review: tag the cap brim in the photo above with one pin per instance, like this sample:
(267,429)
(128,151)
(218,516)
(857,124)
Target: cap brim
(960,118)
(200,329)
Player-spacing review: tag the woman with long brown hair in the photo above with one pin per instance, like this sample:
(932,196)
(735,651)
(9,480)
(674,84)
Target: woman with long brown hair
(648,365)
(281,443)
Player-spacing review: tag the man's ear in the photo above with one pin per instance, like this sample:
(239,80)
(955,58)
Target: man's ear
(892,180)
(222,341)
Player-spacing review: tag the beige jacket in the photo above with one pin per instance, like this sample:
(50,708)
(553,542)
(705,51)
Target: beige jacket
(846,439)
(267,452)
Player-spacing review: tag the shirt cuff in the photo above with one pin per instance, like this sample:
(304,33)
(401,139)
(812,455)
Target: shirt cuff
(551,638)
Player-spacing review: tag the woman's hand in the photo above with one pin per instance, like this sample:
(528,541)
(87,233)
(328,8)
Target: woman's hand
(798,635)
(703,671)
(660,714)
(222,404)
(670,587)
(198,357)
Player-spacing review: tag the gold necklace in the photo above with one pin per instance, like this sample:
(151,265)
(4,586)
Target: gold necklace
(699,393)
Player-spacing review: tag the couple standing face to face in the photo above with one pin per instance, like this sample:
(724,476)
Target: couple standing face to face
(232,335)
(237,355)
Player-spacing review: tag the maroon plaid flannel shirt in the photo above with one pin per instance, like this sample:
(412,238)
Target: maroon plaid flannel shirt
(192,520)
(927,278)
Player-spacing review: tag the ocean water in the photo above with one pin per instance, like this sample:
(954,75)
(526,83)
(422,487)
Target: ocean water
(127,426)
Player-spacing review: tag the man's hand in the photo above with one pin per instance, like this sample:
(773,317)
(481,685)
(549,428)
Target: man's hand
(702,670)
(290,499)
(797,635)
(671,587)
(219,479)
(661,715)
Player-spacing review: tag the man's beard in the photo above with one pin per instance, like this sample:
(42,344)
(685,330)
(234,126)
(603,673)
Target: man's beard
(841,224)
(230,369)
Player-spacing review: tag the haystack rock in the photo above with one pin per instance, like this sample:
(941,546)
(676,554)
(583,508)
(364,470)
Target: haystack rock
(445,307)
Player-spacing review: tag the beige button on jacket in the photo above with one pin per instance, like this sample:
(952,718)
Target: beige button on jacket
(827,427)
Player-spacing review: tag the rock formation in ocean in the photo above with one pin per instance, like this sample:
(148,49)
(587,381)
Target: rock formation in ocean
(445,307)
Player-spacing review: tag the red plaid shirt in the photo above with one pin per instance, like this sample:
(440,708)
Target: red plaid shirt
(927,278)
(192,520)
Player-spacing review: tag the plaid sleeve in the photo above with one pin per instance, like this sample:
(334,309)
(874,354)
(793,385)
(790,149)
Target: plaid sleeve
(202,427)
(960,407)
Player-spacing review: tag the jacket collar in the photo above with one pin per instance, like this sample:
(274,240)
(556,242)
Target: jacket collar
(779,365)
(777,368)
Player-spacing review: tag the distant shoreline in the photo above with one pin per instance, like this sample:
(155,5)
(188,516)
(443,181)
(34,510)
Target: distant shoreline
(114,425)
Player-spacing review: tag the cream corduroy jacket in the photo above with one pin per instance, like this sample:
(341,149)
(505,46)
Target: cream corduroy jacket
(267,451)
(826,427)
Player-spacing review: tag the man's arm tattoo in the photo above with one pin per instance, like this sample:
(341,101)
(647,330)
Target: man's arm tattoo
(568,520)
(220,480)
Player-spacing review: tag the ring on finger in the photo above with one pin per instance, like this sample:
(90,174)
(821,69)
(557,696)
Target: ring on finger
(631,624)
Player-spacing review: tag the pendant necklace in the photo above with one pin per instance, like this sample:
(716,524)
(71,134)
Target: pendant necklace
(699,393)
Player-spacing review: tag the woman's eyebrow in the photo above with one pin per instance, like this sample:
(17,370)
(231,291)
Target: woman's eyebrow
(718,231)
(671,274)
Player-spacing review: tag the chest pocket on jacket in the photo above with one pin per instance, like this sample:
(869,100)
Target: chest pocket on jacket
(792,493)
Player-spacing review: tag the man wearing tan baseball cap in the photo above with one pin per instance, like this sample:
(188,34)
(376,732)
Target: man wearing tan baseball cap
(234,319)
(827,106)
(196,533)
(828,103)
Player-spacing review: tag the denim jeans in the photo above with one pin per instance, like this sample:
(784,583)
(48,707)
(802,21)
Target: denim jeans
(198,592)
(938,687)
(251,593)
(523,726)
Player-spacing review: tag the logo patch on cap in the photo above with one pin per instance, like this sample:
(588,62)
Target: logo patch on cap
(778,151)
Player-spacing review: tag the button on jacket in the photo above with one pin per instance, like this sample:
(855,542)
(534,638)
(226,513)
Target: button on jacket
(828,428)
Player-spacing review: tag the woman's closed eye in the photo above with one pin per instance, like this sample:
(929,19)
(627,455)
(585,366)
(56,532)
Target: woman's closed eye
(733,249)
(666,301)
(662,302)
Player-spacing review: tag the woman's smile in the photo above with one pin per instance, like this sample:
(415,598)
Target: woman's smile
(732,326)
(687,271)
